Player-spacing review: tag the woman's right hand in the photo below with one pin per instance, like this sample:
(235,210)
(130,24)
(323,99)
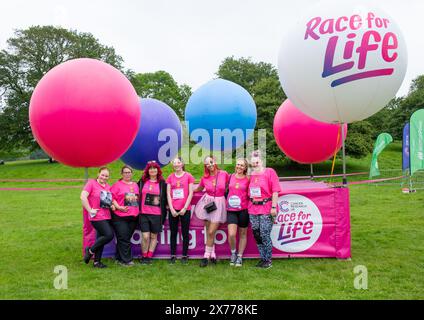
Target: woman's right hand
(123,209)
(173,212)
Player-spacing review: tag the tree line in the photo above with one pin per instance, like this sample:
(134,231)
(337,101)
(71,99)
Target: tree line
(32,52)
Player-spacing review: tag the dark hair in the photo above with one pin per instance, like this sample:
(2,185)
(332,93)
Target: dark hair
(126,167)
(149,165)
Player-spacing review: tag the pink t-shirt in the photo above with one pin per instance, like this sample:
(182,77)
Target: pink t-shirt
(150,198)
(238,198)
(99,197)
(261,187)
(126,195)
(179,189)
(209,183)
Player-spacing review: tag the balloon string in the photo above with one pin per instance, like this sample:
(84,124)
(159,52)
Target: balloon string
(335,153)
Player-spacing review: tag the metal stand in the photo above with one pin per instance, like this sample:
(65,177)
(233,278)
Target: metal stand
(312,171)
(86,174)
(344,158)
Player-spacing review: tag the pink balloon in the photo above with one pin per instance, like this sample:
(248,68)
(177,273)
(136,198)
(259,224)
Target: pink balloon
(304,139)
(84,113)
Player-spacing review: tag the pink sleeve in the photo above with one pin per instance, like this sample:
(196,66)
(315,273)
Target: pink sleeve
(168,180)
(275,182)
(227,177)
(114,190)
(201,183)
(191,179)
(89,186)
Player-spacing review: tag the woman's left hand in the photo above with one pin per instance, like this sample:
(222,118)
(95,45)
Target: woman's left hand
(274,212)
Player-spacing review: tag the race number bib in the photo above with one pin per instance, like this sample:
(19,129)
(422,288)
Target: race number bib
(255,192)
(234,202)
(177,194)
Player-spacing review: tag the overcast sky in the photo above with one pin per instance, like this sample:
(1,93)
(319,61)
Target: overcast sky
(190,38)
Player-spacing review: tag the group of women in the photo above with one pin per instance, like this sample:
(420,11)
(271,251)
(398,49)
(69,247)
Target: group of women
(235,199)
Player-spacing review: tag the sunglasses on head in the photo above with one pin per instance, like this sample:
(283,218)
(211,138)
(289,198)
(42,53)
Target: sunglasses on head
(152,161)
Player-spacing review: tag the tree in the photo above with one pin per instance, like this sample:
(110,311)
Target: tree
(161,86)
(31,53)
(261,81)
(360,139)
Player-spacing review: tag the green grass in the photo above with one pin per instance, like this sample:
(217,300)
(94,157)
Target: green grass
(41,230)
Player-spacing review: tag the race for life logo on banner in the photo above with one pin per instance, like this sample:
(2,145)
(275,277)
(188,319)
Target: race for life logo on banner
(297,225)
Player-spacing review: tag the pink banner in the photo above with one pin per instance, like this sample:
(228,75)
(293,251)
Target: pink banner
(313,221)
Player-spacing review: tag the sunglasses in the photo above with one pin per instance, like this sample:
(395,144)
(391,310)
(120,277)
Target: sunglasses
(127,172)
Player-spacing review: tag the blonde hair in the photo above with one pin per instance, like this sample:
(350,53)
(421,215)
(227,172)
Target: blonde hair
(246,164)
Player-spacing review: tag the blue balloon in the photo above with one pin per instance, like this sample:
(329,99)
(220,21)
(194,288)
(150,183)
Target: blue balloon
(225,111)
(159,136)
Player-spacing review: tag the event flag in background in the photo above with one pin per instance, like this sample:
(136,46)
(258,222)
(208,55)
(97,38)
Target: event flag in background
(416,140)
(383,140)
(405,148)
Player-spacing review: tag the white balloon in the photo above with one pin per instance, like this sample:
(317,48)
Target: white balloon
(342,62)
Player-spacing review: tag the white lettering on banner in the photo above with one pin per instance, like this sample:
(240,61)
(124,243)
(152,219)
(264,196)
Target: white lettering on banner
(165,238)
(220,236)
(298,224)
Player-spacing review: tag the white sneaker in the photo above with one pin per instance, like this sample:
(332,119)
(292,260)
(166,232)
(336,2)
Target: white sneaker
(239,261)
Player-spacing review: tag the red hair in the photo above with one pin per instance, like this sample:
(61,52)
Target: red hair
(146,175)
(206,173)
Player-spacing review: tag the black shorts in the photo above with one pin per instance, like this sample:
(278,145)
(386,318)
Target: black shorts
(240,218)
(150,223)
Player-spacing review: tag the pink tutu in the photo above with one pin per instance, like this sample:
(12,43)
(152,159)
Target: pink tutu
(219,215)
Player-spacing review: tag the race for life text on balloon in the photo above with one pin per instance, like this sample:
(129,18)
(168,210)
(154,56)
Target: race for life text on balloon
(371,41)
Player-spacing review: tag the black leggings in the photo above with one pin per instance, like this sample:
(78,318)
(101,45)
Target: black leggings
(185,224)
(104,236)
(124,229)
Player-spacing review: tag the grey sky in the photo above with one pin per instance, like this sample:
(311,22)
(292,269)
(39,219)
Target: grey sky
(190,38)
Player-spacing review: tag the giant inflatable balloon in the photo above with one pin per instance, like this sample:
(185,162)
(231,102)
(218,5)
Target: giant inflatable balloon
(220,115)
(304,139)
(159,136)
(343,62)
(84,113)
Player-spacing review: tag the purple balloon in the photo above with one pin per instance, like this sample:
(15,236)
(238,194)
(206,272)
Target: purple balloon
(159,136)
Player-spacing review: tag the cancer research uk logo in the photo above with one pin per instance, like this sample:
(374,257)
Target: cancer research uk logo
(298,224)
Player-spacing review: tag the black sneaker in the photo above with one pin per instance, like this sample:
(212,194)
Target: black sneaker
(184,260)
(143,260)
(259,264)
(204,262)
(149,260)
(213,261)
(99,264)
(173,260)
(267,264)
(87,255)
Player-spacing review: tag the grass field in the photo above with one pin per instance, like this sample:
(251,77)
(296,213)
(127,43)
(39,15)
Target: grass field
(42,229)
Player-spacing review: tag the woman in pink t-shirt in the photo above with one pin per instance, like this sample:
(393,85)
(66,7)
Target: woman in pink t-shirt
(153,204)
(264,188)
(96,200)
(237,215)
(180,193)
(126,202)
(215,182)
